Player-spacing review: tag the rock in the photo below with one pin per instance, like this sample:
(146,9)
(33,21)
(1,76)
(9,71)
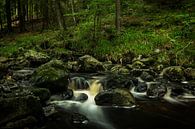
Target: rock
(78,119)
(90,64)
(81,97)
(156,90)
(16,108)
(3,70)
(79,82)
(174,73)
(23,74)
(119,69)
(138,65)
(108,65)
(68,94)
(52,75)
(28,122)
(3,59)
(148,61)
(115,97)
(136,72)
(73,66)
(147,77)
(142,87)
(42,93)
(36,58)
(190,73)
(117,81)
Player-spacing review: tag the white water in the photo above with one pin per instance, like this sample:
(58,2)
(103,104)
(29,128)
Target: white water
(88,108)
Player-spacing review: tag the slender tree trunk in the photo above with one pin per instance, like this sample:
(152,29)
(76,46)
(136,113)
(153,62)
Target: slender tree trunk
(31,7)
(118,16)
(1,22)
(45,14)
(73,11)
(8,15)
(59,15)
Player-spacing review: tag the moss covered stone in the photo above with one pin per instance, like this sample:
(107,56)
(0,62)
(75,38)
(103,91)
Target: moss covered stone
(174,73)
(36,58)
(52,75)
(115,97)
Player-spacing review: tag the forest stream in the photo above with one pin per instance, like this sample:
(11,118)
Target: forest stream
(147,112)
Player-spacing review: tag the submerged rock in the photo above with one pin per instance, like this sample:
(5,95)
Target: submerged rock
(90,64)
(174,73)
(52,75)
(81,97)
(115,97)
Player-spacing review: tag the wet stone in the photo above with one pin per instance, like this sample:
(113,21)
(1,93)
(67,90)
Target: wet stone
(156,90)
(146,77)
(78,119)
(142,87)
(81,97)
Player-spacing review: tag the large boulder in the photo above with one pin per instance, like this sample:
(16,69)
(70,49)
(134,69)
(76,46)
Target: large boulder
(115,97)
(52,75)
(16,108)
(118,81)
(90,64)
(36,58)
(174,73)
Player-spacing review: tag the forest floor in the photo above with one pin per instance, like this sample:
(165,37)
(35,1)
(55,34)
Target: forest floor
(146,29)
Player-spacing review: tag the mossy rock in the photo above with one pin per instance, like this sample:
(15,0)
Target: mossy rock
(36,58)
(138,64)
(90,64)
(42,93)
(115,97)
(120,69)
(52,75)
(174,73)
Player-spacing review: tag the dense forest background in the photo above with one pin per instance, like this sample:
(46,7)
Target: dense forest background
(106,29)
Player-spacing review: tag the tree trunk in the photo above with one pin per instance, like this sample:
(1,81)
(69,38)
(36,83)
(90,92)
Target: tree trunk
(118,16)
(27,9)
(45,14)
(73,11)
(59,15)
(1,22)
(21,15)
(8,15)
(31,7)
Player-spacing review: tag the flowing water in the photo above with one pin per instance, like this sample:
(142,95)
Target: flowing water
(151,117)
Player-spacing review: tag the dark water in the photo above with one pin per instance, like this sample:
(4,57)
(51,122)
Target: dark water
(165,113)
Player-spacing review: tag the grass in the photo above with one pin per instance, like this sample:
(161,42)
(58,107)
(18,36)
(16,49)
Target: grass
(145,28)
